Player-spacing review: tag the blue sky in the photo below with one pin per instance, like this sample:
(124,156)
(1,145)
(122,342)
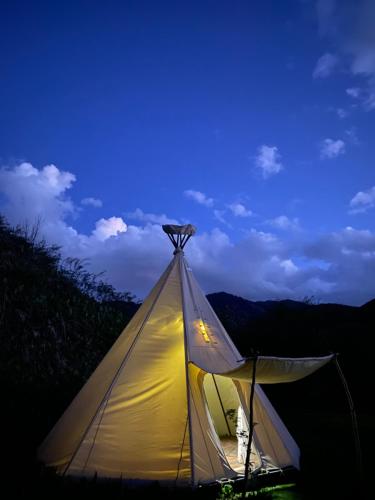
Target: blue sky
(252,120)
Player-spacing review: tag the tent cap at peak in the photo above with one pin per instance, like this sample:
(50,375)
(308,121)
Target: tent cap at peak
(188,229)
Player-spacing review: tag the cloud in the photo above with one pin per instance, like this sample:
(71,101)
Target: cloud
(219,215)
(363,201)
(354,92)
(283,222)
(105,228)
(330,148)
(361,44)
(325,66)
(366,97)
(352,136)
(239,210)
(289,266)
(33,193)
(267,160)
(199,197)
(342,113)
(161,219)
(351,254)
(337,266)
(349,26)
(369,102)
(93,202)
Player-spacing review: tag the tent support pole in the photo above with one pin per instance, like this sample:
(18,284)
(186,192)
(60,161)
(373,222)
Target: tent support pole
(187,373)
(251,428)
(353,415)
(221,403)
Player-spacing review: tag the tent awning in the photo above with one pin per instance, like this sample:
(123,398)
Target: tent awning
(274,370)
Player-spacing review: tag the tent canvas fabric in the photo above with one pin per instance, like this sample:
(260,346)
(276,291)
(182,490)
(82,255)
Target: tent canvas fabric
(157,405)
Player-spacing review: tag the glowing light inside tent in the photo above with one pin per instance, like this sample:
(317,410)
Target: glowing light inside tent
(204,332)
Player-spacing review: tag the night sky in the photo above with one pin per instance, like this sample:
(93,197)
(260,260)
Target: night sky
(253,120)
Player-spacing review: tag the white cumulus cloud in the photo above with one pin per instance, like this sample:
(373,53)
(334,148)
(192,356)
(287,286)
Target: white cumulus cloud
(199,197)
(284,222)
(289,266)
(325,65)
(363,201)
(105,228)
(354,92)
(257,265)
(268,160)
(330,148)
(239,210)
(33,194)
(93,202)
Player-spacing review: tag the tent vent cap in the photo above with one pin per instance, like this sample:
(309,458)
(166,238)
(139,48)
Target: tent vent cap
(179,235)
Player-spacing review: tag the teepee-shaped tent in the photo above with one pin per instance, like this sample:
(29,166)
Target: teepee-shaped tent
(170,400)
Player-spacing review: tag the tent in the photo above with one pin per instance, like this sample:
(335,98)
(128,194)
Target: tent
(170,400)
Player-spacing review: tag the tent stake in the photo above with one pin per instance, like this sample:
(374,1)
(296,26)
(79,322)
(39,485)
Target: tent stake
(251,427)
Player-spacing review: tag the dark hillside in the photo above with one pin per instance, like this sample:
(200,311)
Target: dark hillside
(288,327)
(369,308)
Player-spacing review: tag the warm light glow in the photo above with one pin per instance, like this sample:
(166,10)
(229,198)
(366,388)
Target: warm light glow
(204,331)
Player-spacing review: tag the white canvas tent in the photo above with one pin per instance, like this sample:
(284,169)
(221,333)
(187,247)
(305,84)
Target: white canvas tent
(171,392)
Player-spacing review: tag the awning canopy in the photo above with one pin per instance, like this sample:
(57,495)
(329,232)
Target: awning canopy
(274,370)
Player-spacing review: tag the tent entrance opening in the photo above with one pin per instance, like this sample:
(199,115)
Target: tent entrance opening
(229,421)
